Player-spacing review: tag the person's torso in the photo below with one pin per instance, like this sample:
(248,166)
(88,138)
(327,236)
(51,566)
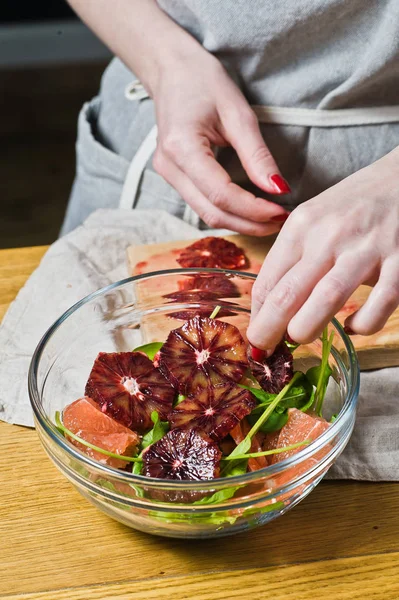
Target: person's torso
(305,53)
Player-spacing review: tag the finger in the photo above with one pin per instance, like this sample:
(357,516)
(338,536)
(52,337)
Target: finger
(196,159)
(383,300)
(285,299)
(212,216)
(283,255)
(253,153)
(329,296)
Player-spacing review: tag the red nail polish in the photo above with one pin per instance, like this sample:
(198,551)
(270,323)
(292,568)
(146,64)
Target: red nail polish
(280,218)
(348,330)
(257,354)
(280,184)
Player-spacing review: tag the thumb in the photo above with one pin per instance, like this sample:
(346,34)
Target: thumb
(256,158)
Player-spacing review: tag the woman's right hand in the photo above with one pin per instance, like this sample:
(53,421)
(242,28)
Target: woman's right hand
(198,106)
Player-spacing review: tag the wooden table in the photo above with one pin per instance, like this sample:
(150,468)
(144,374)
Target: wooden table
(341,543)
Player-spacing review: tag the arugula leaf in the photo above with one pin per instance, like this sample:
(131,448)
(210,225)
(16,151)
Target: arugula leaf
(268,452)
(61,427)
(215,518)
(264,509)
(137,467)
(310,402)
(180,399)
(215,312)
(242,447)
(295,398)
(219,496)
(108,485)
(324,371)
(149,349)
(245,445)
(280,396)
(156,433)
(238,468)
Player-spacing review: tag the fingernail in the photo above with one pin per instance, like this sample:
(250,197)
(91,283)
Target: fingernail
(348,330)
(257,354)
(280,184)
(280,218)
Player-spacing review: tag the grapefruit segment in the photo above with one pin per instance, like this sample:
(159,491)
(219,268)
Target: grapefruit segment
(85,419)
(299,428)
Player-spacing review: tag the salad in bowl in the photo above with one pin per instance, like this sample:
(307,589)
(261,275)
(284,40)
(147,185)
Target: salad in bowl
(148,397)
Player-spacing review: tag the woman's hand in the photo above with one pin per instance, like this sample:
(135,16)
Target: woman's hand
(198,107)
(346,236)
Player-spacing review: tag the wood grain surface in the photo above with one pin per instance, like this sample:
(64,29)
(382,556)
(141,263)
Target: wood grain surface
(374,351)
(341,543)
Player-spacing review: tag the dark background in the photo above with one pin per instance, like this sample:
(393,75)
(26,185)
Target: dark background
(15,11)
(39,105)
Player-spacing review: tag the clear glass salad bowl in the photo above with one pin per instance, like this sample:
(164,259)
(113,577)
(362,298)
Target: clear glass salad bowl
(135,311)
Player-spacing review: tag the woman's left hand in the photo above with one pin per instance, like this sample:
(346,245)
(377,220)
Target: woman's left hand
(331,244)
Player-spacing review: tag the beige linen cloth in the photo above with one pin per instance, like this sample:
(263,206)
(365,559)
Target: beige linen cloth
(93,256)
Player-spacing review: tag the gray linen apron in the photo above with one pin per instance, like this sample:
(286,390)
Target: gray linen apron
(322,75)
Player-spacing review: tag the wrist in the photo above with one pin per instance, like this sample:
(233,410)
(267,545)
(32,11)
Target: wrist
(177,64)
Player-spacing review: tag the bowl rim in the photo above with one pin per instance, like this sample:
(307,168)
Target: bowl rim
(352,376)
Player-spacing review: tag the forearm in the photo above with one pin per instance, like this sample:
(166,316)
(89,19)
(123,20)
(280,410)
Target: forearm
(140,34)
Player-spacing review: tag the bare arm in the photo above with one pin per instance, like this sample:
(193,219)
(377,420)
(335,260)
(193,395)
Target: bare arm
(140,34)
(198,106)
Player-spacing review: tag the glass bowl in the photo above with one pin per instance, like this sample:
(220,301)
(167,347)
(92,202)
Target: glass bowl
(143,309)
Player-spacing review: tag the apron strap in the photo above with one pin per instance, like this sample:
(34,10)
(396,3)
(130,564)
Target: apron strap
(315,117)
(136,169)
(134,175)
(278,115)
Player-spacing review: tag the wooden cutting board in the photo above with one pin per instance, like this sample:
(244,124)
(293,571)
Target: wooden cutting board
(374,352)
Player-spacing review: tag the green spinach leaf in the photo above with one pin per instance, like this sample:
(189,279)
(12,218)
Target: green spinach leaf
(149,349)
(156,433)
(239,468)
(180,399)
(275,422)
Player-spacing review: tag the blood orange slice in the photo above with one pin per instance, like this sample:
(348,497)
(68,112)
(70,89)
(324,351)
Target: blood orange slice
(213,252)
(183,455)
(207,299)
(203,353)
(218,284)
(85,419)
(215,411)
(129,388)
(275,372)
